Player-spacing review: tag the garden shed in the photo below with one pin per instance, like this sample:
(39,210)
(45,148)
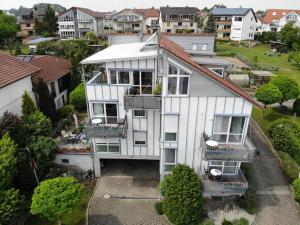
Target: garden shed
(241,80)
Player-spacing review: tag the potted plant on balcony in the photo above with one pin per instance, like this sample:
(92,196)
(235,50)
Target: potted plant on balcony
(157,90)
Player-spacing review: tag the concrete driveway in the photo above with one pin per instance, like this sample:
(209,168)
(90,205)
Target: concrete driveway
(126,194)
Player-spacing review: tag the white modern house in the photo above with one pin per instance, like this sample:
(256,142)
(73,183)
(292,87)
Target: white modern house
(77,21)
(199,119)
(15,79)
(276,19)
(236,24)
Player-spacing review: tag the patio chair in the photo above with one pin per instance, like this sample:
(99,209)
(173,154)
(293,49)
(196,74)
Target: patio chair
(64,134)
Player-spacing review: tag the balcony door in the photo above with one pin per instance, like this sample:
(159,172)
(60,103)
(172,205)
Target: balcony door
(107,112)
(143,82)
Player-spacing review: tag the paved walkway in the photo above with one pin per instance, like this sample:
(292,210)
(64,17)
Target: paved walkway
(132,197)
(276,204)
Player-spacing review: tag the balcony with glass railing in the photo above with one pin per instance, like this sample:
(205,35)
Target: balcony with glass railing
(114,128)
(224,185)
(239,152)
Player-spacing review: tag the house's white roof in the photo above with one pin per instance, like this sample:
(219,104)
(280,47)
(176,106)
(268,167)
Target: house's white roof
(121,52)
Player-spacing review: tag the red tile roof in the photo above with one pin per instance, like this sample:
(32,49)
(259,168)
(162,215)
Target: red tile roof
(13,69)
(278,13)
(179,52)
(150,12)
(52,67)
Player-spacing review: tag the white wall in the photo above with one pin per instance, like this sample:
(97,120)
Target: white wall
(11,95)
(245,29)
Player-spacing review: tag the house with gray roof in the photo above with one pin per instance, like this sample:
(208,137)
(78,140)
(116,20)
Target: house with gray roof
(236,24)
(179,19)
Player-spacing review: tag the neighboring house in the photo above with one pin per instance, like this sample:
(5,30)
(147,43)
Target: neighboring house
(275,19)
(26,22)
(76,22)
(15,79)
(128,21)
(107,21)
(178,19)
(127,122)
(259,24)
(236,24)
(55,72)
(151,19)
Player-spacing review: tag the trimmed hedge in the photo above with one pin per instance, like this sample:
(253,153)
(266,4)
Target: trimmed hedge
(290,167)
(296,187)
(182,192)
(158,208)
(77,98)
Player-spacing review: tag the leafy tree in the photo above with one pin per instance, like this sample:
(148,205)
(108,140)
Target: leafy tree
(18,50)
(210,25)
(7,161)
(182,192)
(268,94)
(266,37)
(77,97)
(294,58)
(9,123)
(92,37)
(28,105)
(55,197)
(290,35)
(8,31)
(48,25)
(287,86)
(43,149)
(65,111)
(11,206)
(46,100)
(34,125)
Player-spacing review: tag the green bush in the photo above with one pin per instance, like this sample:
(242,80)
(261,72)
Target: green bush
(296,106)
(77,97)
(157,90)
(290,167)
(248,201)
(207,222)
(296,187)
(241,221)
(158,208)
(182,192)
(65,111)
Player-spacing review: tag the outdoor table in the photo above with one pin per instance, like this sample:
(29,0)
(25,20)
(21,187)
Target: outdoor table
(215,172)
(212,144)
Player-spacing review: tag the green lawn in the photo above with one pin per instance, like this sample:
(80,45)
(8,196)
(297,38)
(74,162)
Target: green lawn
(77,216)
(285,68)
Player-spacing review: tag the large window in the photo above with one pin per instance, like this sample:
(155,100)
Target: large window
(108,147)
(178,81)
(119,77)
(238,18)
(142,82)
(63,83)
(170,159)
(139,113)
(229,129)
(226,167)
(107,112)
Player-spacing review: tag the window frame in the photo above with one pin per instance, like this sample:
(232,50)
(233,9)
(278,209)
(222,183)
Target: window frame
(172,141)
(107,144)
(105,113)
(243,134)
(140,85)
(222,166)
(136,116)
(134,141)
(117,71)
(170,164)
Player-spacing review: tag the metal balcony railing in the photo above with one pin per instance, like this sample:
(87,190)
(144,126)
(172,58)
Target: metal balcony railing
(142,102)
(239,152)
(224,185)
(118,130)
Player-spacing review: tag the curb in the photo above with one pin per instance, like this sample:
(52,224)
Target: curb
(89,203)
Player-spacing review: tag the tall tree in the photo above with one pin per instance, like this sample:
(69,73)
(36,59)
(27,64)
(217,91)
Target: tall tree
(7,162)
(210,25)
(48,25)
(55,197)
(8,31)
(290,35)
(28,105)
(9,123)
(46,100)
(268,94)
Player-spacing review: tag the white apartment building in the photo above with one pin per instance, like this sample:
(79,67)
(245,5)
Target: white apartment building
(276,19)
(76,22)
(236,24)
(178,19)
(128,20)
(129,121)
